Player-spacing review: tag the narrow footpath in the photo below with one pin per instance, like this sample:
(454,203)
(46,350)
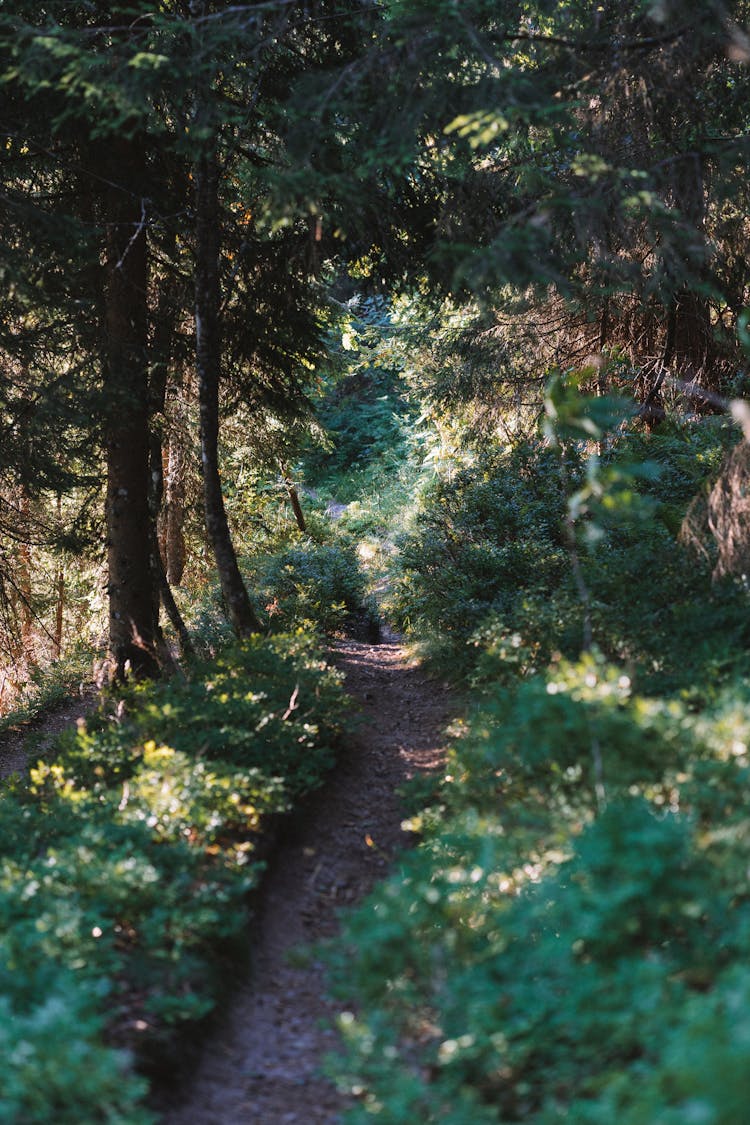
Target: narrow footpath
(263,1068)
(22,747)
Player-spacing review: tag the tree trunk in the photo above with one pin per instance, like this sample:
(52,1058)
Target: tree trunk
(172,525)
(208,361)
(693,339)
(24,581)
(59,613)
(293,495)
(162,593)
(57,638)
(172,610)
(132,625)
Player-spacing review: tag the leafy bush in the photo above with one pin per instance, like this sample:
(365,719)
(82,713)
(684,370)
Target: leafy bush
(483,535)
(314,583)
(126,864)
(365,416)
(701,1074)
(568,941)
(56,1067)
(490,559)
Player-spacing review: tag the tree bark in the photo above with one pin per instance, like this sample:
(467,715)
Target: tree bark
(132,625)
(160,356)
(174,550)
(59,594)
(208,363)
(291,491)
(59,613)
(692,333)
(172,609)
(24,581)
(174,467)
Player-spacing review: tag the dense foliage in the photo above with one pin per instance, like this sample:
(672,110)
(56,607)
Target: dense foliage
(488,557)
(569,939)
(126,866)
(548,954)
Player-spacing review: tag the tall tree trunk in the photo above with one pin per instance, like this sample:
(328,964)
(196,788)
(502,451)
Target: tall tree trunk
(59,612)
(208,364)
(174,551)
(162,593)
(132,624)
(173,472)
(693,345)
(24,582)
(57,636)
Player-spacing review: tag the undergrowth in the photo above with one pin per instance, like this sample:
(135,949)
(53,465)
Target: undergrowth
(487,566)
(126,864)
(50,686)
(569,940)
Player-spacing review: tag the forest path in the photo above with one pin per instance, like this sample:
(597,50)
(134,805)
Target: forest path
(22,746)
(263,1068)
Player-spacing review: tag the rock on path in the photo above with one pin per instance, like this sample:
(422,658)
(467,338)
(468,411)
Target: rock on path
(264,1067)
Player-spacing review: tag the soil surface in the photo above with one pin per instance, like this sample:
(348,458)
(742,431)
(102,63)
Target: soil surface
(263,1065)
(23,746)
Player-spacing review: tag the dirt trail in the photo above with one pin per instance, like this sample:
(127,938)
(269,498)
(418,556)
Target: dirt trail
(22,747)
(263,1069)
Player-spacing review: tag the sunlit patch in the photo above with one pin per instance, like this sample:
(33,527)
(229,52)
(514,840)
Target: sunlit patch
(366,551)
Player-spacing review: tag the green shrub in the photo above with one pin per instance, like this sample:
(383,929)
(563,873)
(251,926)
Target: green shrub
(126,862)
(571,933)
(314,583)
(490,559)
(700,1074)
(365,417)
(55,1067)
(488,532)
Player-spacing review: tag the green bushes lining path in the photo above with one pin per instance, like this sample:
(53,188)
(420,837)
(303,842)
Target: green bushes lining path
(316,583)
(488,561)
(125,866)
(570,941)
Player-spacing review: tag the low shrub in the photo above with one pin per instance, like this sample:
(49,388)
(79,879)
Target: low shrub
(50,686)
(366,416)
(320,584)
(490,530)
(56,1067)
(568,941)
(489,559)
(126,863)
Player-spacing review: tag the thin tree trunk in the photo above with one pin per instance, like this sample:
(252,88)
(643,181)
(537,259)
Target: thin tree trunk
(293,495)
(692,333)
(24,583)
(172,609)
(208,361)
(161,354)
(172,537)
(171,523)
(59,595)
(132,625)
(59,613)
